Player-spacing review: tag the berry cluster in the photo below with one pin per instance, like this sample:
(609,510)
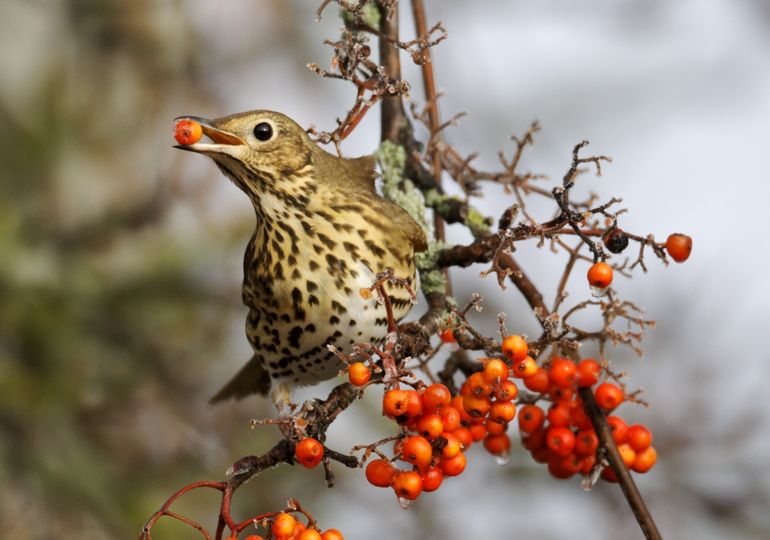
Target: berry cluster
(563,436)
(284,526)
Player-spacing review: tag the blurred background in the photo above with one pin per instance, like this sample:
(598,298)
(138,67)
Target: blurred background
(120,258)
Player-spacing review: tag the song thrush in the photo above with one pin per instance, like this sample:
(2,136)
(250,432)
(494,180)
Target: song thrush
(322,234)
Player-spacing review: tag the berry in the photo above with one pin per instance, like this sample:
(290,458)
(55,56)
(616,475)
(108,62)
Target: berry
(407,485)
(359,373)
(514,347)
(615,240)
(309,452)
(531,418)
(413,404)
(525,368)
(450,418)
(619,429)
(451,447)
(645,460)
(331,534)
(497,445)
(588,372)
(283,525)
(453,466)
(394,403)
(187,132)
(502,411)
(430,426)
(627,454)
(609,396)
(435,397)
(466,437)
(457,404)
(539,382)
(563,372)
(432,479)
(417,451)
(639,437)
(559,415)
(586,442)
(380,472)
(506,391)
(600,275)
(495,371)
(309,534)
(560,440)
(477,406)
(477,431)
(679,247)
(478,385)
(448,336)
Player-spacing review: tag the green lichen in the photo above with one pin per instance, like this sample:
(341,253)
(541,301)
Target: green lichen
(369,14)
(474,220)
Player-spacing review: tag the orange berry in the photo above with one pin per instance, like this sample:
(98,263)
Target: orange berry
(453,466)
(619,429)
(495,371)
(478,385)
(679,246)
(283,525)
(497,445)
(531,418)
(502,411)
(639,437)
(299,527)
(451,447)
(586,442)
(514,347)
(448,336)
(413,404)
(539,382)
(309,534)
(465,435)
(365,293)
(525,368)
(359,373)
(394,403)
(332,534)
(432,479)
(645,460)
(435,397)
(563,372)
(600,275)
(309,452)
(496,428)
(559,415)
(609,396)
(506,391)
(450,417)
(407,484)
(380,472)
(477,431)
(417,451)
(588,372)
(560,440)
(457,404)
(627,454)
(477,406)
(187,132)
(430,426)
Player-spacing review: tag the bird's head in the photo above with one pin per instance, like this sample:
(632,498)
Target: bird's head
(255,149)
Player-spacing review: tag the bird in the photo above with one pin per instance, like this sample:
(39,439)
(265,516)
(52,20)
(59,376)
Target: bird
(322,234)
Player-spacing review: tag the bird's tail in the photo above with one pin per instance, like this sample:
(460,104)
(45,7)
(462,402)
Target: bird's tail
(251,379)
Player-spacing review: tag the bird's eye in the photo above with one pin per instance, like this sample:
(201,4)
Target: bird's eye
(263,131)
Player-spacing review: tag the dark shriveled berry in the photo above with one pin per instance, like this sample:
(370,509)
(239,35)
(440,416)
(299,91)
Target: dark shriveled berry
(615,240)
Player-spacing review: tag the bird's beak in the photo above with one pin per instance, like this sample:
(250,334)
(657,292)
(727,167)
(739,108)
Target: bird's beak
(224,142)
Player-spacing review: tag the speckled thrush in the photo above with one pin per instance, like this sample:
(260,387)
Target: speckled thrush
(322,233)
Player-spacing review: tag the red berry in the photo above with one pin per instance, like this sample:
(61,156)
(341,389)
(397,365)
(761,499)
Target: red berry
(559,415)
(645,460)
(560,440)
(448,336)
(450,417)
(619,429)
(539,382)
(679,246)
(586,442)
(600,275)
(309,452)
(497,445)
(430,425)
(639,437)
(588,372)
(525,368)
(477,406)
(394,403)
(453,466)
(502,411)
(506,391)
(331,534)
(609,396)
(531,418)
(432,479)
(417,451)
(435,397)
(563,372)
(380,472)
(308,534)
(187,132)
